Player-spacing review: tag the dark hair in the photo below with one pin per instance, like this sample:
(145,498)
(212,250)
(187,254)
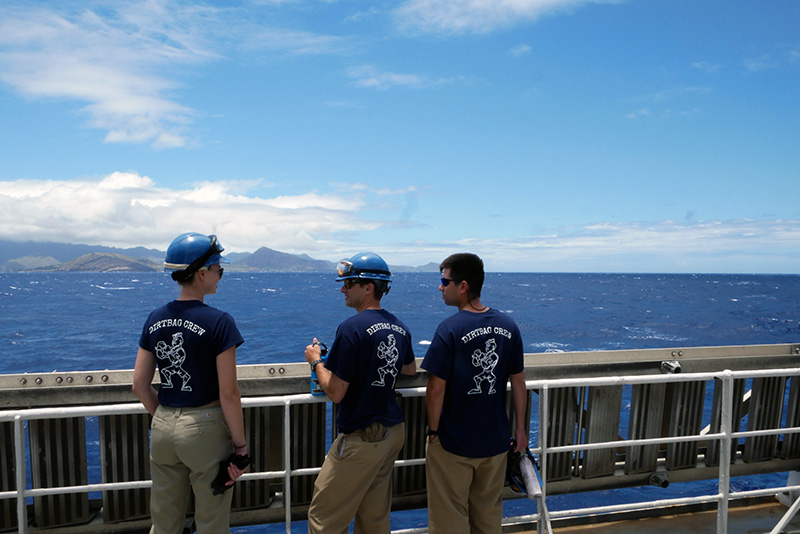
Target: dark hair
(468,267)
(183,277)
(381,287)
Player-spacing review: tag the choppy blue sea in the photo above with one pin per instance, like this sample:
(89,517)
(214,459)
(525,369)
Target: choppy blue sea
(89,321)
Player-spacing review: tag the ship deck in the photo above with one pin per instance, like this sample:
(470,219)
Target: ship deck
(754,519)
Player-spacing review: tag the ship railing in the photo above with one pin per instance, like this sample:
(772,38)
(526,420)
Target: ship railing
(726,436)
(572,456)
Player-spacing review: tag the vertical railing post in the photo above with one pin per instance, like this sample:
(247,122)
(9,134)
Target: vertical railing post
(22,508)
(726,426)
(543,424)
(287,470)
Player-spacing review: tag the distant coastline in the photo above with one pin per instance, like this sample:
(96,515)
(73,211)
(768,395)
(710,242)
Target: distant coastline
(60,257)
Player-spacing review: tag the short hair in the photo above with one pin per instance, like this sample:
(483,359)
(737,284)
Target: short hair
(465,266)
(381,287)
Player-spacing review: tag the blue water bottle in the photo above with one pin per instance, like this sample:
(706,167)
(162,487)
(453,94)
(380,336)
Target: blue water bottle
(316,387)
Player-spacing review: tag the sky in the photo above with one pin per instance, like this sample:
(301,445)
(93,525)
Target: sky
(542,135)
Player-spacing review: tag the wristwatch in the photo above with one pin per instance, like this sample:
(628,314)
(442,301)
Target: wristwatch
(430,432)
(314,364)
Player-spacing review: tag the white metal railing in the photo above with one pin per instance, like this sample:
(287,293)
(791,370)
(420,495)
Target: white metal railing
(542,517)
(726,437)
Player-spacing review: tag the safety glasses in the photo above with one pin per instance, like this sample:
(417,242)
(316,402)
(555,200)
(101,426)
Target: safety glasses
(344,268)
(350,282)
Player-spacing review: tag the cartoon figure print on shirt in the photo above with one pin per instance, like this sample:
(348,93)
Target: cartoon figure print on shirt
(389,353)
(486,362)
(176,356)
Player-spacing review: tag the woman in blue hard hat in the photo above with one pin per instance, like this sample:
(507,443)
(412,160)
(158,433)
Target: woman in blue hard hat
(197,410)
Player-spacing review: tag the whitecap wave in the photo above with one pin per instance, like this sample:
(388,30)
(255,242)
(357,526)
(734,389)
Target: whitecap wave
(549,346)
(112,288)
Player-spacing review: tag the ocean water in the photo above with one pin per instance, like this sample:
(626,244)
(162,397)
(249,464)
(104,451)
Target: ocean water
(90,321)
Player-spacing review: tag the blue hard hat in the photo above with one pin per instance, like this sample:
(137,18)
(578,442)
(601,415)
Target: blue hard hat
(192,251)
(364,265)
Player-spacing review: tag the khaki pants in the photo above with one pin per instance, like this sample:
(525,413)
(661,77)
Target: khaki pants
(356,482)
(186,446)
(464,494)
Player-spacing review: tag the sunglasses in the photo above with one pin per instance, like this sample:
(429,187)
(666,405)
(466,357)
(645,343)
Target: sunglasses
(446,281)
(220,271)
(350,282)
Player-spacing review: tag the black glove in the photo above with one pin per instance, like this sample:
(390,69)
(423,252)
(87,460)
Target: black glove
(239,460)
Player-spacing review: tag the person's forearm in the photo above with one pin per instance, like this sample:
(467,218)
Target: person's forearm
(143,373)
(434,401)
(409,369)
(335,388)
(520,399)
(148,397)
(232,409)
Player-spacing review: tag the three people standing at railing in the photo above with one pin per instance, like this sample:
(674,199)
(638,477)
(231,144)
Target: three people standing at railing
(470,360)
(370,349)
(197,411)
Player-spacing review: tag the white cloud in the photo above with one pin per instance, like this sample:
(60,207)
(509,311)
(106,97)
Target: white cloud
(679,92)
(367,14)
(359,186)
(292,41)
(706,66)
(520,50)
(127,210)
(124,64)
(369,76)
(643,112)
(760,64)
(737,246)
(114,62)
(667,246)
(661,98)
(477,16)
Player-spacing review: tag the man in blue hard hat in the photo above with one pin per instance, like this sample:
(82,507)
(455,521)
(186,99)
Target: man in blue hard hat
(370,349)
(472,356)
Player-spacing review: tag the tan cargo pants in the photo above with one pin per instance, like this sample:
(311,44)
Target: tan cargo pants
(355,482)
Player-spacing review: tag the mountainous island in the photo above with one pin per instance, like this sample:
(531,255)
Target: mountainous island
(61,257)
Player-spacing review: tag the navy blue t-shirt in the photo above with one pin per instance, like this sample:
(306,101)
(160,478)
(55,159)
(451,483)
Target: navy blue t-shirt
(368,352)
(475,353)
(186,336)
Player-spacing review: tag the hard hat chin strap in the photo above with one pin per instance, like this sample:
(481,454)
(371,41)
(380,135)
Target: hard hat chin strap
(200,262)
